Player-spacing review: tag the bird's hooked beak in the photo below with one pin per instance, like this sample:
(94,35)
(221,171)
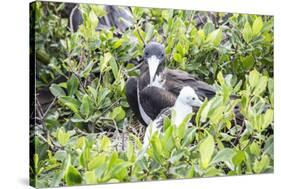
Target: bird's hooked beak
(197,102)
(153,63)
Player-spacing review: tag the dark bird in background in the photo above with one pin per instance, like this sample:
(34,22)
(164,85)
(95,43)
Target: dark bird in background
(118,17)
(146,101)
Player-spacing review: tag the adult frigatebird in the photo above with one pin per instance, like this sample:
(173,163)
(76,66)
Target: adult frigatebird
(146,101)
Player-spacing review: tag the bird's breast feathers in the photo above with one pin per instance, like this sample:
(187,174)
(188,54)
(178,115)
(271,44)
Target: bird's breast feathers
(158,81)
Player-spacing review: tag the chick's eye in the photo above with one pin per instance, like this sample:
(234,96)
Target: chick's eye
(162,55)
(146,53)
(193,98)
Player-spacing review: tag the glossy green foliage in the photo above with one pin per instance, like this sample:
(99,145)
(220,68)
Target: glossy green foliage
(87,134)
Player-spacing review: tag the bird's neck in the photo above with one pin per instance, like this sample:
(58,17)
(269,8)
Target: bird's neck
(160,69)
(182,110)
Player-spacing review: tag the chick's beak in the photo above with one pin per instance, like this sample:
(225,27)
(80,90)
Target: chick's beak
(198,102)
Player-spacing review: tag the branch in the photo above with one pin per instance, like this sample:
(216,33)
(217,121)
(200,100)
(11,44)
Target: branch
(135,68)
(140,36)
(136,27)
(106,110)
(76,75)
(240,132)
(38,108)
(49,107)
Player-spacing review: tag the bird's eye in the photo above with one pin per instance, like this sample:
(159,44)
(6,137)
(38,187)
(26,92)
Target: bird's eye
(146,53)
(162,55)
(193,98)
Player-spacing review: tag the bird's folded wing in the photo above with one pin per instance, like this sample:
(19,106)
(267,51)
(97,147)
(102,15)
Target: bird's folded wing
(176,80)
(154,100)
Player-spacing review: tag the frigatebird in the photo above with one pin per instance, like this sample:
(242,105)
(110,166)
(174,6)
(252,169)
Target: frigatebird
(158,87)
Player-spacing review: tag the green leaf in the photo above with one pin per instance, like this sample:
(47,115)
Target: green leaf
(70,102)
(215,37)
(93,19)
(61,155)
(114,67)
(118,113)
(85,73)
(176,155)
(85,107)
(220,78)
(104,60)
(268,118)
(130,151)
(238,158)
(198,114)
(206,149)
(96,162)
(72,176)
(177,57)
(247,32)
(99,10)
(247,62)
(108,58)
(200,38)
(36,161)
(261,85)
(253,78)
(62,136)
(56,90)
(208,28)
(72,85)
(257,26)
(270,85)
(105,143)
(156,147)
(262,165)
(167,14)
(118,43)
(255,149)
(268,147)
(90,177)
(224,155)
(149,31)
(121,168)
(85,157)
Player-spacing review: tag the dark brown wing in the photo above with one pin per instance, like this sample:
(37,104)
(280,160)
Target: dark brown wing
(144,80)
(132,98)
(176,80)
(154,100)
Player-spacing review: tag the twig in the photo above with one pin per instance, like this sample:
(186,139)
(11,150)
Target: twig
(202,22)
(49,107)
(250,141)
(240,133)
(114,123)
(136,27)
(106,110)
(123,133)
(76,75)
(135,68)
(140,36)
(51,143)
(38,108)
(81,132)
